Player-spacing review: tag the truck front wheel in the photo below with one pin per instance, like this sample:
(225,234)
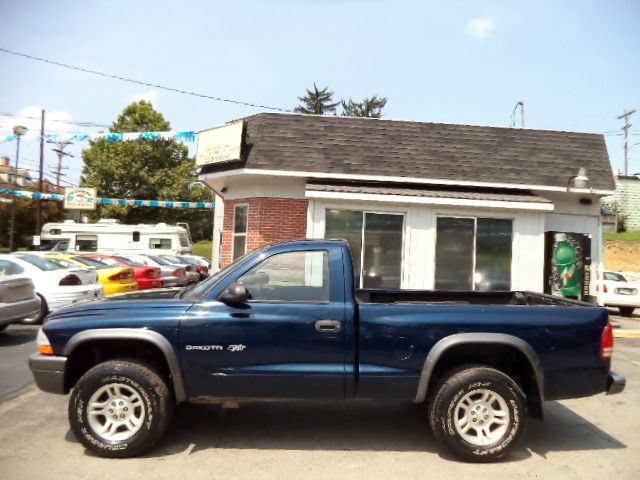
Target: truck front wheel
(477,413)
(120,408)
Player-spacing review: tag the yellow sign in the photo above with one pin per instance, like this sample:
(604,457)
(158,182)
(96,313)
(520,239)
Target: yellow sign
(221,144)
(78,198)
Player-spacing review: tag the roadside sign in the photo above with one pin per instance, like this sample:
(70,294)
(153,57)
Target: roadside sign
(79,198)
(221,144)
(36,240)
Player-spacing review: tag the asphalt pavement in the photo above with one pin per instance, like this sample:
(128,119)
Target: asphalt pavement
(16,344)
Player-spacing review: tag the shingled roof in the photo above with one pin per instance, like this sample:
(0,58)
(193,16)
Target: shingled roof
(420,150)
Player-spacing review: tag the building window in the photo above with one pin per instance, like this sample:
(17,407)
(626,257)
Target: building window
(290,277)
(376,244)
(160,243)
(136,236)
(240,221)
(473,253)
(86,243)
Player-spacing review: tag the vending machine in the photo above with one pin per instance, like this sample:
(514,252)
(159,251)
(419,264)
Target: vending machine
(568,265)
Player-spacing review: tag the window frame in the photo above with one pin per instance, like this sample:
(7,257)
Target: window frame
(326,255)
(364,212)
(77,237)
(234,234)
(475,244)
(160,239)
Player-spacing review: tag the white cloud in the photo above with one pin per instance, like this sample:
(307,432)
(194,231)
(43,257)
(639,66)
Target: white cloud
(480,28)
(55,121)
(151,96)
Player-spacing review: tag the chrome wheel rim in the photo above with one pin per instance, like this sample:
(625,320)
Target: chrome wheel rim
(115,412)
(482,417)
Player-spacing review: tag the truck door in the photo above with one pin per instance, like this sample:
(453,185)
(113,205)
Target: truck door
(287,341)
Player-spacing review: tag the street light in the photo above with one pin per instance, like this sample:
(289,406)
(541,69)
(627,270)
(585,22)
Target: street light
(18,131)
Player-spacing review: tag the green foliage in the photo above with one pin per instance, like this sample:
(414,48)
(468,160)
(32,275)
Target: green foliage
(317,102)
(145,169)
(26,210)
(202,248)
(368,107)
(635,235)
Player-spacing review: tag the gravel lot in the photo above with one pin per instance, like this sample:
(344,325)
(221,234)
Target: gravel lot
(584,438)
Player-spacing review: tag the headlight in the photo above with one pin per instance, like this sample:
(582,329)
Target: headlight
(44,345)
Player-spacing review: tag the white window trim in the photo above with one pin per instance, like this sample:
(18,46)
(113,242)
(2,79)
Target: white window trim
(233,230)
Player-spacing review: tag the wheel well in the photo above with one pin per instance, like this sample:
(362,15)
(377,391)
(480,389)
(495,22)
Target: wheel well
(90,353)
(507,359)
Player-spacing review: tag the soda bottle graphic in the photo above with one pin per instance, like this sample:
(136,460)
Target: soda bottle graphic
(566,259)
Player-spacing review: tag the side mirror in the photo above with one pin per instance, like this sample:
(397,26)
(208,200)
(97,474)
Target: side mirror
(234,294)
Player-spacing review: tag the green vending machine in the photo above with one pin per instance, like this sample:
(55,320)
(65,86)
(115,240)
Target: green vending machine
(568,265)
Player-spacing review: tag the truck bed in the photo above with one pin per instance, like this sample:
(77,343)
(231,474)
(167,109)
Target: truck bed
(462,297)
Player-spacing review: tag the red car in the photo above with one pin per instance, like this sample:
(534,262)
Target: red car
(146,276)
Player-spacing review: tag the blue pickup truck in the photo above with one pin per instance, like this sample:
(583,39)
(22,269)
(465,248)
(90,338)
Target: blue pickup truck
(285,322)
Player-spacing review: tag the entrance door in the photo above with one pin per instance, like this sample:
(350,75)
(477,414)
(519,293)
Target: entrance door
(287,341)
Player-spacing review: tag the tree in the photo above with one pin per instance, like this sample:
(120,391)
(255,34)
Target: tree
(148,170)
(317,102)
(26,211)
(368,107)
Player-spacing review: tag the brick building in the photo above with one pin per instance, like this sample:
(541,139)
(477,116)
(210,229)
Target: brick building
(627,199)
(423,205)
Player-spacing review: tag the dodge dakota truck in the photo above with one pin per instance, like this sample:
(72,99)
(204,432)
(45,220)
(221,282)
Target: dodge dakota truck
(285,322)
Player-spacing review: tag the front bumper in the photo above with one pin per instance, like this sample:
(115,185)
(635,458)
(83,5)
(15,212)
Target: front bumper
(48,372)
(615,383)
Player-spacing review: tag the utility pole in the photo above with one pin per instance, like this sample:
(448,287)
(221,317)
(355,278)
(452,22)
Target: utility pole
(625,116)
(513,114)
(39,209)
(61,154)
(521,103)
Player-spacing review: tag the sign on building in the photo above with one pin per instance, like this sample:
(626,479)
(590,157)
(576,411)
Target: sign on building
(78,198)
(221,144)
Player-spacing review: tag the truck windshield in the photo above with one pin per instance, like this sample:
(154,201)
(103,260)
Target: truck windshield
(203,287)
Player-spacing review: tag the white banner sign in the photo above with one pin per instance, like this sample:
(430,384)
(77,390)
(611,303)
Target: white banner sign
(221,144)
(78,198)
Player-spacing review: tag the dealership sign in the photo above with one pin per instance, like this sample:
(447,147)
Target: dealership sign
(221,144)
(80,198)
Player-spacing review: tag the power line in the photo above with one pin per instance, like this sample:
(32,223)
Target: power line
(67,122)
(140,82)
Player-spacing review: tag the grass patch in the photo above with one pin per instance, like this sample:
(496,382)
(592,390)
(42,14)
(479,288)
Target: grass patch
(202,248)
(622,235)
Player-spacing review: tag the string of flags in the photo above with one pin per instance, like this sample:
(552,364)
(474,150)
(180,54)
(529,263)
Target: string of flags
(109,201)
(181,136)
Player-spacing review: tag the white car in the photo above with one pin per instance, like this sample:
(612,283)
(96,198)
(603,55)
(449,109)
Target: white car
(55,286)
(18,299)
(86,275)
(617,291)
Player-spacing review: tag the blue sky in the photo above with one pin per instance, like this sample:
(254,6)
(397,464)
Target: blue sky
(574,63)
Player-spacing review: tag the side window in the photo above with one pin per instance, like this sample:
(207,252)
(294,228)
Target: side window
(10,268)
(184,241)
(87,243)
(162,243)
(136,236)
(240,223)
(290,277)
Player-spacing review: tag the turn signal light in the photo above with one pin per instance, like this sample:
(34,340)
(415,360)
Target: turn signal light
(606,345)
(45,349)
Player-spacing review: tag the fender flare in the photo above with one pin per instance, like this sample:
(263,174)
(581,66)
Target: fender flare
(478,338)
(154,338)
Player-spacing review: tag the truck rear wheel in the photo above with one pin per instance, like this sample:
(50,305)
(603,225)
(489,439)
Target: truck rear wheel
(477,413)
(120,408)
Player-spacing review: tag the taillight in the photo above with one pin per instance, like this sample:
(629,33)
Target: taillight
(604,288)
(177,272)
(606,345)
(151,273)
(124,275)
(70,280)
(202,269)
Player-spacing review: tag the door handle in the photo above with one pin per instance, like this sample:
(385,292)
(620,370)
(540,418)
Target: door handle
(328,325)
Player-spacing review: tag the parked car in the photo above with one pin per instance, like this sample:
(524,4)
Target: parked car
(18,299)
(285,322)
(172,275)
(201,264)
(85,274)
(147,276)
(192,274)
(115,279)
(617,291)
(56,286)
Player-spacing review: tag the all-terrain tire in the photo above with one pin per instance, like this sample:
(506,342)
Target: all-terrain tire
(141,389)
(462,392)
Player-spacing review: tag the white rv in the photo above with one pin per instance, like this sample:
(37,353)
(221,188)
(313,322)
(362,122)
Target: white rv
(110,236)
